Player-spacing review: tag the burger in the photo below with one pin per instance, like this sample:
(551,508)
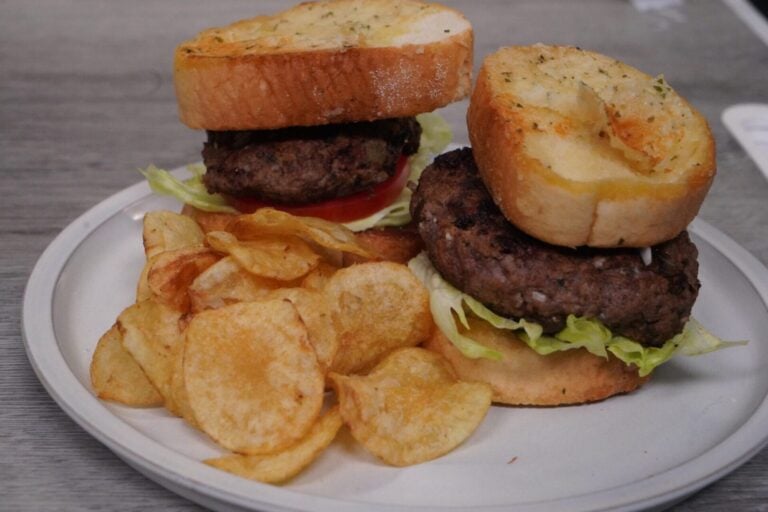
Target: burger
(556,251)
(320,110)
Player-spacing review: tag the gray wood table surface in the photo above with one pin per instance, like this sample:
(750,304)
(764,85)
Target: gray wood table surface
(86,97)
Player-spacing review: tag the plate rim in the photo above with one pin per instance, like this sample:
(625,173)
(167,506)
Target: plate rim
(731,118)
(201,483)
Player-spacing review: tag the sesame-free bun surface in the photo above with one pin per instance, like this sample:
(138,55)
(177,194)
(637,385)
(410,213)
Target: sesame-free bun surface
(524,377)
(320,63)
(581,149)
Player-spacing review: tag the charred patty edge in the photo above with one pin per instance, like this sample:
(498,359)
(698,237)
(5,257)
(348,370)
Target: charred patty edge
(479,251)
(302,165)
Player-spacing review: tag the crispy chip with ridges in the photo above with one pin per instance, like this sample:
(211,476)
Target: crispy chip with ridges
(319,276)
(410,409)
(170,274)
(268,221)
(252,377)
(151,334)
(226,282)
(379,307)
(166,231)
(116,376)
(208,221)
(143,291)
(275,257)
(281,466)
(317,318)
(178,400)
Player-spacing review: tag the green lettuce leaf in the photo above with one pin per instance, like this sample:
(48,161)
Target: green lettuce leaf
(444,302)
(190,191)
(578,333)
(435,136)
(447,306)
(694,340)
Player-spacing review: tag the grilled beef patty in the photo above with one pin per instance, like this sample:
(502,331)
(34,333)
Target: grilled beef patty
(302,165)
(476,249)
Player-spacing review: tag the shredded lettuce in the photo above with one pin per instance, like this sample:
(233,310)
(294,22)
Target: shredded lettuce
(190,191)
(444,302)
(435,136)
(694,340)
(447,305)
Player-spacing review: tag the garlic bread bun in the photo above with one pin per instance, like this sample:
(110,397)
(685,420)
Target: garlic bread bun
(581,149)
(320,63)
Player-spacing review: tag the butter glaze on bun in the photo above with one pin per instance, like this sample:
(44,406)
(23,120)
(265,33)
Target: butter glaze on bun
(578,148)
(321,63)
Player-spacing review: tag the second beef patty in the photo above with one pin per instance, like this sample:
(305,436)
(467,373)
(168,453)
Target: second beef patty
(476,249)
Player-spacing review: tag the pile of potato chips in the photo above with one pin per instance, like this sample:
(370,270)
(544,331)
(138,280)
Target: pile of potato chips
(239,328)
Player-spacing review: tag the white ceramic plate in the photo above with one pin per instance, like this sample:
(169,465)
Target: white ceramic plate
(748,123)
(698,419)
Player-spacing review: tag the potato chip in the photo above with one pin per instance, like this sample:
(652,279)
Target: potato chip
(252,377)
(284,258)
(378,307)
(208,221)
(172,272)
(178,400)
(151,334)
(166,231)
(319,276)
(410,409)
(116,376)
(284,465)
(226,282)
(268,221)
(317,318)
(143,292)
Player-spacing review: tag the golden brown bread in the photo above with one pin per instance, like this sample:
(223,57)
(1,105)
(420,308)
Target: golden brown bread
(523,377)
(581,149)
(320,63)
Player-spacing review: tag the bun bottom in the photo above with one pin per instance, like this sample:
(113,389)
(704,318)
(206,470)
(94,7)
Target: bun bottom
(524,377)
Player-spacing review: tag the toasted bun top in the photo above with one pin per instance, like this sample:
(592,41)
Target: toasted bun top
(325,62)
(581,149)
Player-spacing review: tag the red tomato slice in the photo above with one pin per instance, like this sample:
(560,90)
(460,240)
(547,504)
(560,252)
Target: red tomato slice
(342,209)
